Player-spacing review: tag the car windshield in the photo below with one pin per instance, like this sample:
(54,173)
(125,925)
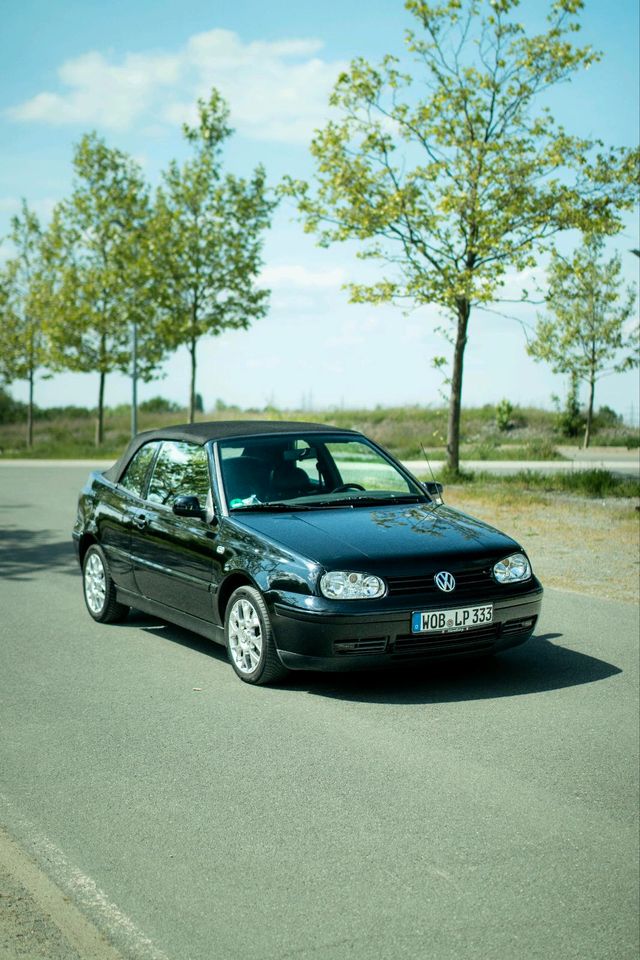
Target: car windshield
(311,471)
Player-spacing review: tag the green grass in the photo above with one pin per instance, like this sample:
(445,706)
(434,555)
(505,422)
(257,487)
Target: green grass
(586,483)
(407,432)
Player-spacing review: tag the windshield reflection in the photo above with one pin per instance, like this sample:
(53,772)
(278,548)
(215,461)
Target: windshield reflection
(311,471)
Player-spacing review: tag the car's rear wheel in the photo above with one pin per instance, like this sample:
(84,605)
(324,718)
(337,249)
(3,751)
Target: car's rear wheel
(99,588)
(250,643)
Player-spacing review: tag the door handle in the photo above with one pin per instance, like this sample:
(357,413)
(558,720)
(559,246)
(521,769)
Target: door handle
(140,520)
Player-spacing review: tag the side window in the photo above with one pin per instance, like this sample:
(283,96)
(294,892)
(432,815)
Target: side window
(180,469)
(136,473)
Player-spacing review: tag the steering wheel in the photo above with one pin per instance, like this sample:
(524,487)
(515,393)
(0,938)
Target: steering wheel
(348,486)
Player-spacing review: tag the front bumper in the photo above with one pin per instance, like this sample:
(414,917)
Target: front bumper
(317,640)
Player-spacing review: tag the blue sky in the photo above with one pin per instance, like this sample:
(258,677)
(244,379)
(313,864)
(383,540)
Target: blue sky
(131,71)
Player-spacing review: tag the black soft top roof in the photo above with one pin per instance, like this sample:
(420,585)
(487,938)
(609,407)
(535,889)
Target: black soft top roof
(207,430)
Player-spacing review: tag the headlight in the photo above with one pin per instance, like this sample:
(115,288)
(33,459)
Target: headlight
(512,569)
(344,585)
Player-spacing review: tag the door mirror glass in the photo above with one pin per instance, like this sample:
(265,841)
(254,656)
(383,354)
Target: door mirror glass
(188,506)
(434,489)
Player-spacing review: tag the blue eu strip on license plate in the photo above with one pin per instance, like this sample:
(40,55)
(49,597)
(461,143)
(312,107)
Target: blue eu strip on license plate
(446,621)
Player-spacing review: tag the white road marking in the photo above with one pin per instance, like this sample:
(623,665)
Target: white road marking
(108,918)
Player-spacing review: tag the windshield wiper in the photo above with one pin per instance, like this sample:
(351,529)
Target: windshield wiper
(372,501)
(269,507)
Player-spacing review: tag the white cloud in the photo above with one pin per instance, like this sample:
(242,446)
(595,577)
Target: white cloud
(289,276)
(516,281)
(110,95)
(354,332)
(277,90)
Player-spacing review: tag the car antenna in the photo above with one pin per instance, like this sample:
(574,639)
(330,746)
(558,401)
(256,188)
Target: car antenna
(436,496)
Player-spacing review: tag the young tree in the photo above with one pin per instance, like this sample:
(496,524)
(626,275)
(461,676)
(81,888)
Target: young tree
(586,334)
(208,241)
(454,181)
(24,350)
(98,251)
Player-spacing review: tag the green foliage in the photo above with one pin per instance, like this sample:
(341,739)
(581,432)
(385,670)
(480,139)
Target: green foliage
(446,474)
(606,419)
(11,411)
(408,432)
(504,415)
(23,308)
(585,333)
(569,419)
(208,230)
(447,175)
(51,414)
(98,252)
(221,407)
(586,483)
(159,405)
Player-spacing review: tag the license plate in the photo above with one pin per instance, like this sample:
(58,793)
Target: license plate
(450,621)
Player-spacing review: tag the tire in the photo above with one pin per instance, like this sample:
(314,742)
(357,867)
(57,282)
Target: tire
(99,589)
(249,638)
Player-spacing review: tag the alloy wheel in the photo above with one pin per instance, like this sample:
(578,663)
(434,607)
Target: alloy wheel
(95,584)
(245,636)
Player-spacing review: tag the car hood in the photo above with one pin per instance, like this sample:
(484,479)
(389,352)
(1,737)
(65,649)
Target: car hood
(383,536)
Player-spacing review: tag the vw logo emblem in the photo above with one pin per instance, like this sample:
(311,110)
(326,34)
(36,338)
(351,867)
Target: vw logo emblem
(445,581)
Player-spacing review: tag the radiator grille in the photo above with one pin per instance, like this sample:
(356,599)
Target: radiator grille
(470,584)
(467,581)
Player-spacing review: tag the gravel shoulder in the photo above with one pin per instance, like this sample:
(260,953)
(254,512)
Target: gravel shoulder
(37,920)
(576,544)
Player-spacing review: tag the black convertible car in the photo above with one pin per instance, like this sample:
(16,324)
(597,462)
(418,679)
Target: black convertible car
(298,546)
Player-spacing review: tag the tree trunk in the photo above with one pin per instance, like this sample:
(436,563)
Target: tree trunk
(30,410)
(455,399)
(100,417)
(587,429)
(192,393)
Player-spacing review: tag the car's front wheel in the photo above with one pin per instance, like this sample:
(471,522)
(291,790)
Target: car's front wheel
(99,588)
(250,644)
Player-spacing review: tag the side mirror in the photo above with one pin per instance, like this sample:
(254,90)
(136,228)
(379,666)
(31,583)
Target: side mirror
(188,506)
(435,490)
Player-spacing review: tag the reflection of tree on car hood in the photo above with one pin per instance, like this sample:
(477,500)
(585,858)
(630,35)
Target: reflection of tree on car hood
(385,533)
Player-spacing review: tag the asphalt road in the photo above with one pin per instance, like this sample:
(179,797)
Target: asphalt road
(486,811)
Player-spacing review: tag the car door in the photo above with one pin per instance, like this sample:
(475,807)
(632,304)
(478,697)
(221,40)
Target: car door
(118,507)
(174,557)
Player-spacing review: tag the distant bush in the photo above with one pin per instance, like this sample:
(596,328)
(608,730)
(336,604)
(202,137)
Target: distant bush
(11,411)
(588,483)
(221,407)
(49,414)
(606,419)
(504,415)
(569,419)
(159,405)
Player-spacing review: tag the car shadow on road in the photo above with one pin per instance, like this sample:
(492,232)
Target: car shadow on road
(173,633)
(25,553)
(538,666)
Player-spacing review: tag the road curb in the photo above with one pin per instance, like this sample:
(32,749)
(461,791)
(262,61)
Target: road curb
(35,903)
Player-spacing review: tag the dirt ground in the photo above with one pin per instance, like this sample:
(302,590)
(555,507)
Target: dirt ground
(587,546)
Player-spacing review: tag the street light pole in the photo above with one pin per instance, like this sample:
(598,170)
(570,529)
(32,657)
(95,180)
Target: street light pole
(134,379)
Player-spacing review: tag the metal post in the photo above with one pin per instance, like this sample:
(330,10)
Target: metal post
(134,379)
